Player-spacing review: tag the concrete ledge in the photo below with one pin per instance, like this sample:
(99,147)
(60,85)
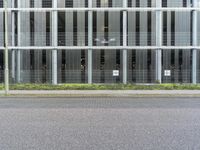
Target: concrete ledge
(105,93)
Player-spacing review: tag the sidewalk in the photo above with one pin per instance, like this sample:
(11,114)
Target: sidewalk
(106,93)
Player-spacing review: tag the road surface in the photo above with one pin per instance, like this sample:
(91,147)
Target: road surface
(100,123)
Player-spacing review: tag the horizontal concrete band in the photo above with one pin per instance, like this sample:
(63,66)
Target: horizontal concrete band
(113,93)
(99,47)
(134,9)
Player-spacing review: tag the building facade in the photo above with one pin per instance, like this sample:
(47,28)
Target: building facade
(102,41)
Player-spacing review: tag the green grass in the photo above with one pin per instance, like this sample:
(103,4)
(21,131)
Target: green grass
(102,87)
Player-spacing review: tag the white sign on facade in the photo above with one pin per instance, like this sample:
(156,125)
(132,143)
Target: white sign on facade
(167,73)
(115,73)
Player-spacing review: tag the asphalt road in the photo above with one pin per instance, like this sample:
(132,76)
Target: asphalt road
(100,124)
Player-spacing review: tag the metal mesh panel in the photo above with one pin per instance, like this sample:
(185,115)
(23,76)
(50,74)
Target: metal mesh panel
(72,66)
(141,66)
(34,28)
(179,63)
(1,3)
(104,63)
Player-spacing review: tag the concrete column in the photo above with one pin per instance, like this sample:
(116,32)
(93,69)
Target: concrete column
(55,44)
(194,42)
(13,41)
(90,42)
(159,41)
(125,57)
(19,43)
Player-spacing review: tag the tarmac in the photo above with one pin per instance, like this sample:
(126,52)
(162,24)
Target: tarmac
(144,123)
(104,93)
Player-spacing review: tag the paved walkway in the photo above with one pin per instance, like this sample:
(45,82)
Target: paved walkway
(106,93)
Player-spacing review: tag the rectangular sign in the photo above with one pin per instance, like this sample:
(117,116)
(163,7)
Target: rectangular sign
(167,73)
(115,73)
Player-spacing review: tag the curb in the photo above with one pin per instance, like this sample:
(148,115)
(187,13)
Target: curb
(104,93)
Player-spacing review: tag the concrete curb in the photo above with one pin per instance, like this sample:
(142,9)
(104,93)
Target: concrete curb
(106,93)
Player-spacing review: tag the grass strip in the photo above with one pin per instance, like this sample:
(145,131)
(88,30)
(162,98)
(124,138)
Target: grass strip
(102,87)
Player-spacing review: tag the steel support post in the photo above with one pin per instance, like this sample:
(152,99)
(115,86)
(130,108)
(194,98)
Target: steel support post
(19,43)
(159,42)
(6,78)
(13,41)
(13,65)
(194,42)
(159,65)
(125,54)
(90,42)
(55,44)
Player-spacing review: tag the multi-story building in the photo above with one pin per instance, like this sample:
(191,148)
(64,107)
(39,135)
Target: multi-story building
(102,41)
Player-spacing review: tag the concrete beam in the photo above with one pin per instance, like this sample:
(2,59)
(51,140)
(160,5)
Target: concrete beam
(90,42)
(194,42)
(101,47)
(159,42)
(125,53)
(13,41)
(19,43)
(102,9)
(55,44)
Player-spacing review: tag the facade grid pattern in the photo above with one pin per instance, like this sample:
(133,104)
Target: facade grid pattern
(85,41)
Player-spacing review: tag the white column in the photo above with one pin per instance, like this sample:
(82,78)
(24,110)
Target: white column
(55,44)
(6,71)
(159,42)
(19,43)
(125,59)
(13,40)
(90,42)
(194,42)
